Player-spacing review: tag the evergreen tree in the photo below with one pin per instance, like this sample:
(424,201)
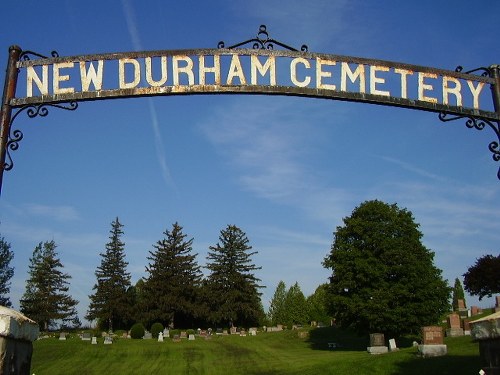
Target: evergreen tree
(458,293)
(170,291)
(231,285)
(277,307)
(317,304)
(46,298)
(6,272)
(296,311)
(109,303)
(383,278)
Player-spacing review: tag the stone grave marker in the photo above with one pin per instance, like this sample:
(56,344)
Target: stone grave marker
(377,344)
(108,340)
(176,338)
(86,336)
(147,335)
(191,337)
(486,331)
(160,337)
(62,336)
(454,328)
(432,337)
(184,335)
(392,345)
(94,340)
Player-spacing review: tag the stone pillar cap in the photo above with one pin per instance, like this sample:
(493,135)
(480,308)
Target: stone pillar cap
(15,325)
(487,327)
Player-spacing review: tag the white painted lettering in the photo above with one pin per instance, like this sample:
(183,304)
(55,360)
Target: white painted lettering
(404,81)
(58,78)
(204,69)
(121,73)
(423,87)
(187,69)
(455,90)
(256,66)
(235,70)
(91,76)
(374,80)
(149,72)
(475,91)
(293,72)
(41,84)
(320,74)
(359,73)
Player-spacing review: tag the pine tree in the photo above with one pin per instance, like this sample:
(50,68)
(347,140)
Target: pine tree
(46,299)
(6,272)
(276,312)
(109,303)
(317,304)
(296,311)
(171,288)
(232,287)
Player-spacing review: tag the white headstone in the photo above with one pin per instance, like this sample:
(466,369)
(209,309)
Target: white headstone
(94,340)
(160,337)
(191,338)
(108,340)
(392,345)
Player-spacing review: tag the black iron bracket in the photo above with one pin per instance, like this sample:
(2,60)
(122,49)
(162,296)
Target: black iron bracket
(476,123)
(262,41)
(15,136)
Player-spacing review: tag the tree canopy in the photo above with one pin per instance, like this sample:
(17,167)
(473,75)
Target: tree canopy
(6,272)
(482,279)
(46,299)
(109,304)
(383,278)
(458,294)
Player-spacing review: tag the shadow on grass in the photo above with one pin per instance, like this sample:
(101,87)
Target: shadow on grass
(344,340)
(448,364)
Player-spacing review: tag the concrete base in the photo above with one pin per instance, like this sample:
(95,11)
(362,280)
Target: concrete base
(432,350)
(377,349)
(454,332)
(16,354)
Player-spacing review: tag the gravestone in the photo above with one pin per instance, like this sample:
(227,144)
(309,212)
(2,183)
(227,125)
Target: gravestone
(86,336)
(454,329)
(183,335)
(474,310)
(487,332)
(432,346)
(233,331)
(392,345)
(176,338)
(160,337)
(466,324)
(191,337)
(225,332)
(94,340)
(166,333)
(62,336)
(218,331)
(147,335)
(108,340)
(377,344)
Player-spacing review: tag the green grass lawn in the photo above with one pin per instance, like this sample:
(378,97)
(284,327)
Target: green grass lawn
(266,353)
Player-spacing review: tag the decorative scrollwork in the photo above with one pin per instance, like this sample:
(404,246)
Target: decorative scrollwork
(479,124)
(25,55)
(262,41)
(486,72)
(32,111)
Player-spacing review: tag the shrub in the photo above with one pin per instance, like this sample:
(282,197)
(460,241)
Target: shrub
(174,332)
(156,328)
(137,331)
(190,332)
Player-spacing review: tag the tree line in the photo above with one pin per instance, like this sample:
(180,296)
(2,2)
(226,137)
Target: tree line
(383,279)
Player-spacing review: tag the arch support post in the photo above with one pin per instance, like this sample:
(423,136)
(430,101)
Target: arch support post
(9,92)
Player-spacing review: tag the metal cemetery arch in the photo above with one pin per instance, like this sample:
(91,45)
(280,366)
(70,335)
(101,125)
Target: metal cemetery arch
(61,82)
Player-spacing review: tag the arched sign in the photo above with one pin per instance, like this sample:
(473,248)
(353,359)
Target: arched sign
(34,82)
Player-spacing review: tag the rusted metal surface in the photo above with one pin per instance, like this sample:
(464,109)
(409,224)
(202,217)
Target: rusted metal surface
(5,115)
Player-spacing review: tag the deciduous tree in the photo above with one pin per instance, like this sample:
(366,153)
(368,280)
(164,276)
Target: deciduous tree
(383,278)
(482,279)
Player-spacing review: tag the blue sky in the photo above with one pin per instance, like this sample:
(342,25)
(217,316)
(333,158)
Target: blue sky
(285,170)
